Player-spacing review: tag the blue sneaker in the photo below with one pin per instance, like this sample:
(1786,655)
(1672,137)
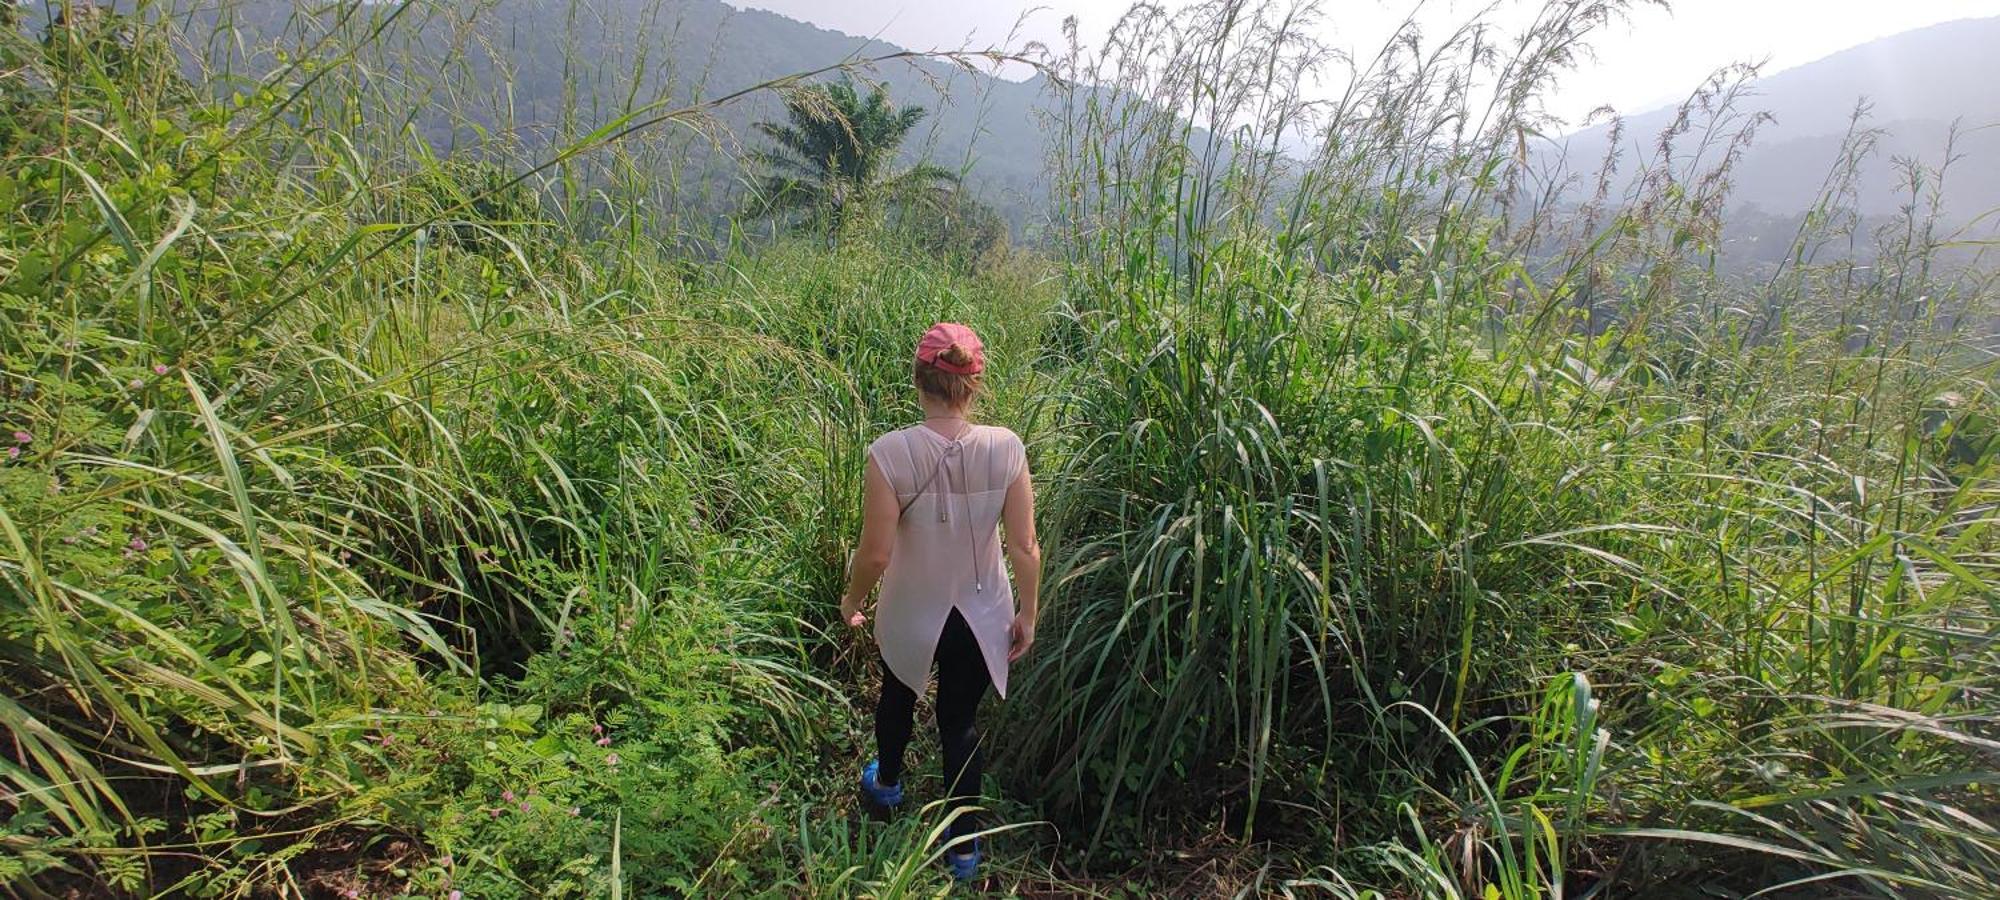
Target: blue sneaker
(888,797)
(963,860)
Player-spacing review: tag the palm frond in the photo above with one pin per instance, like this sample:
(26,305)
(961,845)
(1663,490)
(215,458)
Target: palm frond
(838,148)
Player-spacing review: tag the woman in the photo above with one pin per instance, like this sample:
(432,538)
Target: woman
(936,496)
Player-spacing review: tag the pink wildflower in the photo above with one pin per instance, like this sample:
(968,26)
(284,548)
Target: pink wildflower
(507,796)
(13,453)
(445,860)
(138,545)
(604,741)
(159,368)
(597,729)
(495,812)
(611,760)
(456,895)
(22,437)
(524,806)
(136,383)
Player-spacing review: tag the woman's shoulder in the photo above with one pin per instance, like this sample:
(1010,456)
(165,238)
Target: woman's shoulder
(891,438)
(1000,436)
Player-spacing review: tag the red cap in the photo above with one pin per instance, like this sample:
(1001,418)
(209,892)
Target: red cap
(946,335)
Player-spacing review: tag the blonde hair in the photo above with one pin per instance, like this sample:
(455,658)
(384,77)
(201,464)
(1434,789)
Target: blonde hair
(950,387)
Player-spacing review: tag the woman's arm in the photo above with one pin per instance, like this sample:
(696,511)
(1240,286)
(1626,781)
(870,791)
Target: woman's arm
(878,537)
(1025,553)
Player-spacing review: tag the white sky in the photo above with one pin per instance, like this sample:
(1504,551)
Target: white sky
(1655,57)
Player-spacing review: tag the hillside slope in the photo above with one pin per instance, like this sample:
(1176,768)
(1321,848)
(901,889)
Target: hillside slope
(1917,86)
(544,69)
(527,75)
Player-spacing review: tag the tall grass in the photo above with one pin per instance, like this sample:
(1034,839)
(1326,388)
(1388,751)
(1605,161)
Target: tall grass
(399,507)
(1355,465)
(356,490)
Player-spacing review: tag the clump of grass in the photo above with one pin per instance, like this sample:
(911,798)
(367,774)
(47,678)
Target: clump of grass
(1355,465)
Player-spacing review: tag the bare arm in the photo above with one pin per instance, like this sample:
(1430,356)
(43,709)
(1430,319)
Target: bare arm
(1024,552)
(879,513)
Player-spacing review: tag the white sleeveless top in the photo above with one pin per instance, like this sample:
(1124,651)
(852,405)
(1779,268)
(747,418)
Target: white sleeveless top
(947,551)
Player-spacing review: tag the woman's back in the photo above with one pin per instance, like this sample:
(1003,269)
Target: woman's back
(951,492)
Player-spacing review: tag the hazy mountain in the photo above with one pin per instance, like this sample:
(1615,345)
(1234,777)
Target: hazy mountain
(523,74)
(518,61)
(990,127)
(521,68)
(1917,84)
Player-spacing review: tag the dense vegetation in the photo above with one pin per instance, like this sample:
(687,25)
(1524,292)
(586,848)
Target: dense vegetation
(380,524)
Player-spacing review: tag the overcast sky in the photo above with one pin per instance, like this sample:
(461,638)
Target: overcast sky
(1654,58)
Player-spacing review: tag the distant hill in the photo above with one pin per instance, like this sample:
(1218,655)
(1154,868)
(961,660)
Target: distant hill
(988,126)
(1918,84)
(521,56)
(516,62)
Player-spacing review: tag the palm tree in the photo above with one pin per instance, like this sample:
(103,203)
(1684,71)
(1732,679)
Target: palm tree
(832,159)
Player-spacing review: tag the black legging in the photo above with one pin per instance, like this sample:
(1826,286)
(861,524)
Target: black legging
(961,683)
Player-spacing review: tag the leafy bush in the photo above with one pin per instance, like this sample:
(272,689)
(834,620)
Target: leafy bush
(963,231)
(623,750)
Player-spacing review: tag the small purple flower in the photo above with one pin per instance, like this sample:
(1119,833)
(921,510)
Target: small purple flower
(507,796)
(604,741)
(456,895)
(597,728)
(13,453)
(22,437)
(495,812)
(138,545)
(611,760)
(136,383)
(159,368)
(524,806)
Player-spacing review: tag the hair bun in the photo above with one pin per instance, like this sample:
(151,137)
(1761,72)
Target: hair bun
(956,354)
